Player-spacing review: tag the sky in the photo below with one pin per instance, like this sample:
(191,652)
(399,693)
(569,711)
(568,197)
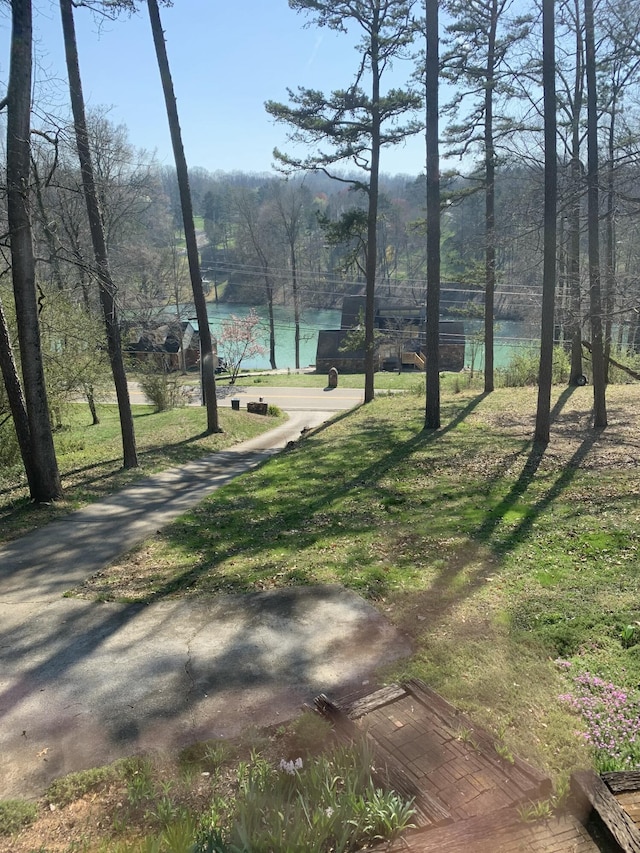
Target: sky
(227,58)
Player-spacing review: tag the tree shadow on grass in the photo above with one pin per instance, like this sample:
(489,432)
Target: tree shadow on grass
(522,530)
(224,526)
(468,568)
(75,639)
(96,481)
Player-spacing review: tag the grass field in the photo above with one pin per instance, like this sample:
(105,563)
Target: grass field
(496,555)
(383,381)
(90,457)
(512,567)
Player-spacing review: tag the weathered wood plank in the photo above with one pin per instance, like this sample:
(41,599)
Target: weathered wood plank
(373,701)
(500,832)
(521,773)
(587,785)
(430,811)
(630,802)
(623,780)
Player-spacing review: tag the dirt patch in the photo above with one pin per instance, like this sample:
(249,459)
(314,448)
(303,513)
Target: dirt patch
(164,789)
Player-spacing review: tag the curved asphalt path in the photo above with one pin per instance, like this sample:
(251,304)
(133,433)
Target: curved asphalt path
(82,683)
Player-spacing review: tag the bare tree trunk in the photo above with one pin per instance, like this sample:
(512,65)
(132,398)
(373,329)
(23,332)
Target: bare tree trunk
(81,267)
(16,400)
(574,213)
(296,306)
(573,273)
(46,229)
(268,283)
(432,346)
(543,413)
(182,172)
(595,296)
(610,243)
(490,208)
(40,458)
(291,223)
(105,281)
(372,227)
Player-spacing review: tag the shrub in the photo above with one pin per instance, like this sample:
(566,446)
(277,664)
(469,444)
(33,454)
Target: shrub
(75,785)
(524,364)
(16,814)
(71,787)
(9,448)
(418,387)
(163,390)
(627,357)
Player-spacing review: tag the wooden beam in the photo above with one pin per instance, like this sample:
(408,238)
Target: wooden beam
(622,781)
(587,785)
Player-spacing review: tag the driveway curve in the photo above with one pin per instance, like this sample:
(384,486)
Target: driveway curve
(82,683)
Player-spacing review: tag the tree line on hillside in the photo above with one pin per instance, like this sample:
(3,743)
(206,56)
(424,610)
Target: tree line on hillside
(532,142)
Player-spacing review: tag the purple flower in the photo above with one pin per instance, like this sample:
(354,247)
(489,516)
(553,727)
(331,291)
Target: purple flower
(612,717)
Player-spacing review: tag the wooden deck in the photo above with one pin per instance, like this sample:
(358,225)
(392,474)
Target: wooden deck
(502,832)
(415,359)
(467,797)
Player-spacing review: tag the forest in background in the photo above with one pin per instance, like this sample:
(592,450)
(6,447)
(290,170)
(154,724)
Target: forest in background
(244,219)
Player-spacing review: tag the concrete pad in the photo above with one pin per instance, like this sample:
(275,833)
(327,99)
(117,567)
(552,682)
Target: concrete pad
(84,683)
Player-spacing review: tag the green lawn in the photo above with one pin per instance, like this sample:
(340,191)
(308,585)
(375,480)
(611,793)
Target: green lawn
(497,556)
(90,457)
(407,381)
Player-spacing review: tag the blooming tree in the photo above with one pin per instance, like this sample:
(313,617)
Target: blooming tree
(239,340)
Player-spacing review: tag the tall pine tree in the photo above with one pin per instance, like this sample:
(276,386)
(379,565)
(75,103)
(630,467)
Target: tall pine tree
(354,123)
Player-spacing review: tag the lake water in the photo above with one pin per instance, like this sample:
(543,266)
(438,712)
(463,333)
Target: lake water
(310,323)
(509,335)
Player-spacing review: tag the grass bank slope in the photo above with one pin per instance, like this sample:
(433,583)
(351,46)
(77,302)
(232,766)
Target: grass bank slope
(90,457)
(498,556)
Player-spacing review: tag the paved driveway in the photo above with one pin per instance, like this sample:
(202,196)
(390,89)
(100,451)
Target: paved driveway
(82,683)
(293,399)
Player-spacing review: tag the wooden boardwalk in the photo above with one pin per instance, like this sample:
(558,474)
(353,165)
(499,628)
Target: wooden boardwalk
(467,797)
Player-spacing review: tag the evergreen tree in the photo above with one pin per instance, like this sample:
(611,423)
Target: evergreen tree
(480,43)
(355,124)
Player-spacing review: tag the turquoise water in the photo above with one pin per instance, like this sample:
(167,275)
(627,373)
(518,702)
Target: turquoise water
(509,335)
(311,322)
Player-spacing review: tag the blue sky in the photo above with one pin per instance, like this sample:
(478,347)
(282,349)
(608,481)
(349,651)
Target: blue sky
(227,58)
